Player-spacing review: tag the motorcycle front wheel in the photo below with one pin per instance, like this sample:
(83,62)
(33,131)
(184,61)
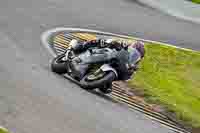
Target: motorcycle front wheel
(99,82)
(58,65)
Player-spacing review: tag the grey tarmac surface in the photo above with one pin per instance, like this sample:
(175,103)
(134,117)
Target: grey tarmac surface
(33,99)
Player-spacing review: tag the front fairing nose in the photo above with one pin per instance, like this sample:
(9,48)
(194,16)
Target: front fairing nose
(134,56)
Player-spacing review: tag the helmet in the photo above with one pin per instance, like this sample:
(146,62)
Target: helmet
(139,45)
(73,44)
(76,46)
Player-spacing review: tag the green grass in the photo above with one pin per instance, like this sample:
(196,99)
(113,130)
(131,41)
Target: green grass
(3,130)
(196,1)
(171,77)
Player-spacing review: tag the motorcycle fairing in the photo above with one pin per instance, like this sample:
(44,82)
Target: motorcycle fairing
(107,67)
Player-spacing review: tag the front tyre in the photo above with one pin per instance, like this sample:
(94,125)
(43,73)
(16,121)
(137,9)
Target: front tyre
(58,65)
(106,78)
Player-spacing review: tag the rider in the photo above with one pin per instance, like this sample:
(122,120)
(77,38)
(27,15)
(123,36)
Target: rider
(136,53)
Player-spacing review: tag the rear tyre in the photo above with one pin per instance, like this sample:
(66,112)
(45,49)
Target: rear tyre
(58,65)
(107,78)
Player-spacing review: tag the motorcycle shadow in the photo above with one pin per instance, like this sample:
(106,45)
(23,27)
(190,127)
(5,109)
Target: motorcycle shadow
(95,91)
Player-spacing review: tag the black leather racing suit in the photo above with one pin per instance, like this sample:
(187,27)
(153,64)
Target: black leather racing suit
(123,73)
(81,47)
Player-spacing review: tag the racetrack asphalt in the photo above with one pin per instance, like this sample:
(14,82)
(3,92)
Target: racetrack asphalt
(33,99)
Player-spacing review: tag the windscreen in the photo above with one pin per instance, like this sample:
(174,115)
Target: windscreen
(134,55)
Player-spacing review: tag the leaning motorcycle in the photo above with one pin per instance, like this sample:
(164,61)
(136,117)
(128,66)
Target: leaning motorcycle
(95,67)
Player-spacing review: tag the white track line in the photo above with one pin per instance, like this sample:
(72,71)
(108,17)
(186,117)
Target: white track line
(48,34)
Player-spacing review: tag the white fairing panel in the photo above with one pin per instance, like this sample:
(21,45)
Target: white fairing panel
(107,67)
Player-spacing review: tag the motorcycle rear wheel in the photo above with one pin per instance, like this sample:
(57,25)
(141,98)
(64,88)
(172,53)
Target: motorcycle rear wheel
(58,66)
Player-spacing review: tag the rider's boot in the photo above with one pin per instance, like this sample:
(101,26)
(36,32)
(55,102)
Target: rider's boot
(106,89)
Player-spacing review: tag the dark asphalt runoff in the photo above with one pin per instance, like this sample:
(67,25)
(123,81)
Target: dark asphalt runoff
(35,100)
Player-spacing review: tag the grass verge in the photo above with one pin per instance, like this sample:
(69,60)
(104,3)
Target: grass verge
(196,1)
(3,130)
(171,76)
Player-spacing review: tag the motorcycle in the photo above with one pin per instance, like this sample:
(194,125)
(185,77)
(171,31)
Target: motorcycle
(95,67)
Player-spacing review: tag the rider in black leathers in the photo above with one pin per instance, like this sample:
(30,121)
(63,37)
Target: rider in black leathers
(101,43)
(124,74)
